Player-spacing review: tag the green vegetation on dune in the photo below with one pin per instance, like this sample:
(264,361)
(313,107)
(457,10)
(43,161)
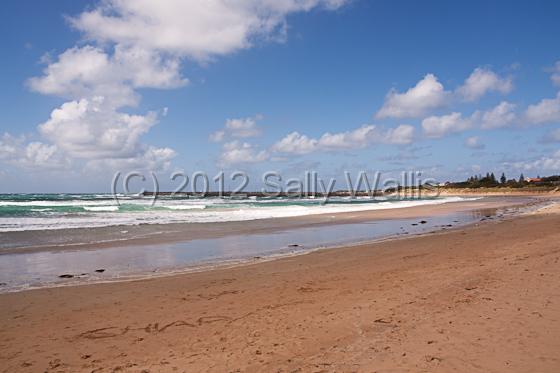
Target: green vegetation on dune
(490,181)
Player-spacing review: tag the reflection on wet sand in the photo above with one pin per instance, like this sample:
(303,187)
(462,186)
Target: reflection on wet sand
(52,268)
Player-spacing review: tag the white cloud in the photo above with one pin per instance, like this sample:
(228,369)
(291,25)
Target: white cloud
(145,68)
(439,126)
(89,71)
(194,29)
(141,44)
(90,129)
(555,76)
(429,94)
(10,146)
(91,126)
(482,81)
(39,153)
(402,134)
(543,164)
(35,154)
(244,127)
(236,152)
(217,136)
(75,70)
(358,138)
(502,115)
(546,111)
(473,142)
(238,128)
(426,95)
(296,143)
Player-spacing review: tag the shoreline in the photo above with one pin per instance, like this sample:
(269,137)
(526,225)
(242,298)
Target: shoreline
(282,241)
(417,303)
(180,232)
(227,263)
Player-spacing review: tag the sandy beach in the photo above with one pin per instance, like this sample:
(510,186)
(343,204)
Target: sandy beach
(479,298)
(280,186)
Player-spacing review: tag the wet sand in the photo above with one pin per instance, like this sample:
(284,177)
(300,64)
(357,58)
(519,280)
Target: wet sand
(480,298)
(181,248)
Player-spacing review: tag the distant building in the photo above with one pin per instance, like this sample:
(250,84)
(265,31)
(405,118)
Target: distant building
(533,179)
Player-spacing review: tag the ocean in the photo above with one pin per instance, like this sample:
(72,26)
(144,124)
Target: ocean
(28,212)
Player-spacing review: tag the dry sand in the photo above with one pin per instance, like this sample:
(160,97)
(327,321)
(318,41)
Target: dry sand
(484,298)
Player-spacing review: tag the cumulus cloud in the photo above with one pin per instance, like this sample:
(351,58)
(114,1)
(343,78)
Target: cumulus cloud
(244,127)
(236,152)
(358,138)
(296,143)
(482,81)
(400,135)
(194,29)
(238,128)
(502,115)
(91,126)
(426,95)
(89,129)
(546,111)
(89,71)
(474,142)
(429,94)
(15,151)
(541,165)
(439,126)
(136,44)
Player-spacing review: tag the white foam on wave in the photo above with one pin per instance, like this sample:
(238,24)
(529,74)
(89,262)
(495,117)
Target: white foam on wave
(66,203)
(186,207)
(101,208)
(195,212)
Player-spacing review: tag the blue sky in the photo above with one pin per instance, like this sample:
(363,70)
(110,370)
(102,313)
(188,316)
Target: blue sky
(87,89)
